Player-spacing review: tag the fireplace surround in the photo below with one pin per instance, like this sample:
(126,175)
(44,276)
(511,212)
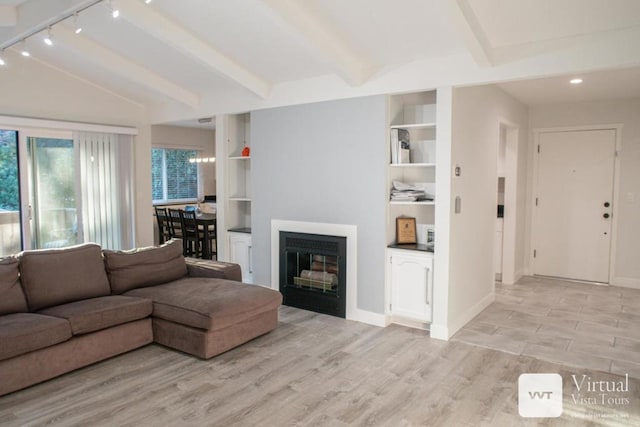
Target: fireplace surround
(330,229)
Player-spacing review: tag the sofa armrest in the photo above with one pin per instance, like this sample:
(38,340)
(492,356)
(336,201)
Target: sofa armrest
(214,269)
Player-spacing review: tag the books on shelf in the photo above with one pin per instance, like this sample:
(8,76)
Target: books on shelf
(400,146)
(415,192)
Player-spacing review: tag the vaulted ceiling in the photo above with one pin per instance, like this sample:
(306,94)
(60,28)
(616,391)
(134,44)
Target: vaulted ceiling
(192,58)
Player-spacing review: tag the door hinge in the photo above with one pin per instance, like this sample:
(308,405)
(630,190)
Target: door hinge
(390,307)
(538,148)
(535,253)
(536,201)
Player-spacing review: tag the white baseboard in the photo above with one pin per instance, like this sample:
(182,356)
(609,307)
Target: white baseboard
(439,332)
(518,275)
(466,317)
(626,282)
(369,317)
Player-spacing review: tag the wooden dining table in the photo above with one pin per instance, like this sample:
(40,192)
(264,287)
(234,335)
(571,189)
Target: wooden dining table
(208,223)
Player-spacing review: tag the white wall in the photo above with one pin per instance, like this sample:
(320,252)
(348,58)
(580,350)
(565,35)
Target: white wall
(197,139)
(626,112)
(30,89)
(325,163)
(477,115)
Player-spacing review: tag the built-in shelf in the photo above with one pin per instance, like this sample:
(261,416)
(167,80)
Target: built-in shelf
(414,126)
(239,199)
(412,247)
(412,165)
(246,230)
(240,158)
(420,203)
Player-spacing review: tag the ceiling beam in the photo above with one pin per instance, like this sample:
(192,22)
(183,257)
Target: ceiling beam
(314,34)
(468,27)
(174,35)
(8,16)
(119,65)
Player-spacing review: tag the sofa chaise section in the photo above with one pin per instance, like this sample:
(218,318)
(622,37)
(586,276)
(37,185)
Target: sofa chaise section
(206,317)
(196,308)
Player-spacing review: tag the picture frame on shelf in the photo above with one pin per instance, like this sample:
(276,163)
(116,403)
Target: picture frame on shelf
(406,230)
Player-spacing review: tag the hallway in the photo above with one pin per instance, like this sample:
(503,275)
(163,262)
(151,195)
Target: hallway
(575,324)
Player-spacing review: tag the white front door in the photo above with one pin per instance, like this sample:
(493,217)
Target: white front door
(572,219)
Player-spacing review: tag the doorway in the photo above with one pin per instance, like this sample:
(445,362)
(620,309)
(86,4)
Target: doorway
(573,206)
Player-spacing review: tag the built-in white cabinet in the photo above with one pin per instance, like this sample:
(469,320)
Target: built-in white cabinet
(241,253)
(411,277)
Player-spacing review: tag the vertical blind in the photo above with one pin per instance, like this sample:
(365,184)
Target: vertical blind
(105,180)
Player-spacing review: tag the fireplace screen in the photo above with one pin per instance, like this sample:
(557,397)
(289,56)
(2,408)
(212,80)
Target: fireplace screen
(312,272)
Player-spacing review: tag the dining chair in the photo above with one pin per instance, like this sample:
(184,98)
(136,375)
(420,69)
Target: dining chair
(195,237)
(192,235)
(164,229)
(175,226)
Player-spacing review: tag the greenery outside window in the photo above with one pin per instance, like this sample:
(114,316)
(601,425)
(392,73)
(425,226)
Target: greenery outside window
(173,177)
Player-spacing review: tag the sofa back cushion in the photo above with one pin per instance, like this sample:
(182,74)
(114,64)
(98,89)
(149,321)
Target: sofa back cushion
(142,267)
(12,298)
(58,276)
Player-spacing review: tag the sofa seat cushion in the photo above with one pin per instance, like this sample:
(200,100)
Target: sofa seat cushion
(58,276)
(21,333)
(138,268)
(100,313)
(209,304)
(12,298)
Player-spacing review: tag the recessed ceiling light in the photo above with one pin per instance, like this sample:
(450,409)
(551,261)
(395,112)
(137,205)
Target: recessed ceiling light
(575,81)
(147,1)
(2,61)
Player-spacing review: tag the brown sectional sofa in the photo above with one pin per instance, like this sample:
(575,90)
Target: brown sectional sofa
(66,308)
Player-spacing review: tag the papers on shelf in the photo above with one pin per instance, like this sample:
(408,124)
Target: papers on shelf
(412,192)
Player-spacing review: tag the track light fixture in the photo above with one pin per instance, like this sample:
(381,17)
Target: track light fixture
(23,49)
(115,12)
(48,38)
(76,24)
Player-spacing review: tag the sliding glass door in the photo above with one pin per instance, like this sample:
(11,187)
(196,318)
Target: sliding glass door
(53,192)
(10,218)
(61,188)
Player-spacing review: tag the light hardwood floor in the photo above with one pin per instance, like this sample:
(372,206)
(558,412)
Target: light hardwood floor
(575,324)
(313,370)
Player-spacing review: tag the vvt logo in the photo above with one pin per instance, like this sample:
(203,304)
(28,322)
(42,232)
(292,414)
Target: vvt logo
(540,395)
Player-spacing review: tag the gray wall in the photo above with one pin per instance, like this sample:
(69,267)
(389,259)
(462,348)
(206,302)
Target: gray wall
(323,162)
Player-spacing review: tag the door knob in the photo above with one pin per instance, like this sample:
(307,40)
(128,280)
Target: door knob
(606,204)
(606,215)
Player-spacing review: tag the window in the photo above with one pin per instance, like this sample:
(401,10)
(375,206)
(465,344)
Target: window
(173,177)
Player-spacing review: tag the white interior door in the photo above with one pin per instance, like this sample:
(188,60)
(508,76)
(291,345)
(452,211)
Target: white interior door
(572,228)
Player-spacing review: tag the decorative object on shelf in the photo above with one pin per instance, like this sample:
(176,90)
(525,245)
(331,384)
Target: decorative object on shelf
(246,151)
(406,230)
(400,146)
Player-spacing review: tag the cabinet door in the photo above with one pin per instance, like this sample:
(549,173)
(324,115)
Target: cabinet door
(411,281)
(241,253)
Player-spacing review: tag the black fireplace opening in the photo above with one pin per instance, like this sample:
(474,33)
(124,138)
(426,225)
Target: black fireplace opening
(313,271)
